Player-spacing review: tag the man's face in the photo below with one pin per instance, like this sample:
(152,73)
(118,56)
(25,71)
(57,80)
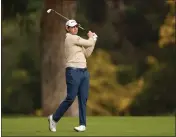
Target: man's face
(73,30)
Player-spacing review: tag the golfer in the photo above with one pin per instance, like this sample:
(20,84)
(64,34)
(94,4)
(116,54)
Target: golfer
(77,50)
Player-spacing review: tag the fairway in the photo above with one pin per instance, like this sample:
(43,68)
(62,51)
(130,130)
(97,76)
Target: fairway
(96,126)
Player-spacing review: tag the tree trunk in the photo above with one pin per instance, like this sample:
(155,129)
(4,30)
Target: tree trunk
(52,55)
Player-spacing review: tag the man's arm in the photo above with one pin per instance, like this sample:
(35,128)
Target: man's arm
(88,51)
(83,42)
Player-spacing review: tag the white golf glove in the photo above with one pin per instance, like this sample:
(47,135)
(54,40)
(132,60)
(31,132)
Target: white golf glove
(95,36)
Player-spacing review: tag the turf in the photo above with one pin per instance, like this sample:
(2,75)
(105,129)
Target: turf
(96,126)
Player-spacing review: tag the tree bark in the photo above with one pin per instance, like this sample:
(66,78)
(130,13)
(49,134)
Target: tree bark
(52,55)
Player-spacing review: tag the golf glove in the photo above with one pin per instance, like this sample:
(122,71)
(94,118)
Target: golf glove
(95,37)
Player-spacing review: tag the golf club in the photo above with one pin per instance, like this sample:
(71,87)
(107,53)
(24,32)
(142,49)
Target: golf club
(49,10)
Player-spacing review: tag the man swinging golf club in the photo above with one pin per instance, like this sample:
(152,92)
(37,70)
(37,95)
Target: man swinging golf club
(77,50)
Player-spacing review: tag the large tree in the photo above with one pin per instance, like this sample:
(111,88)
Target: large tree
(52,55)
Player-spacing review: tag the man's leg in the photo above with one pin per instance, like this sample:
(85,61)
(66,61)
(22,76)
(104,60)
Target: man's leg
(72,81)
(82,100)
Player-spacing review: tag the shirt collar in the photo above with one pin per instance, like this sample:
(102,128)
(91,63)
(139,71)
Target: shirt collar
(67,34)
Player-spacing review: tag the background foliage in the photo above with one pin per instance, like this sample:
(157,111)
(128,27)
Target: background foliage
(133,68)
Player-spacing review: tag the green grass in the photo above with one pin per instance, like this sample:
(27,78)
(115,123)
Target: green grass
(96,126)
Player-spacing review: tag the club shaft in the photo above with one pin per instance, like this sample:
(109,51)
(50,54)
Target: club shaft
(60,14)
(66,18)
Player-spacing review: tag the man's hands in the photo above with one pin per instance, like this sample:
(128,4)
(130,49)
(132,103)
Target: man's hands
(91,34)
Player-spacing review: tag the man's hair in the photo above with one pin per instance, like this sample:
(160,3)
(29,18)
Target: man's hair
(67,27)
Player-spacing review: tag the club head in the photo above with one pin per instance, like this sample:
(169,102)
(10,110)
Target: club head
(49,10)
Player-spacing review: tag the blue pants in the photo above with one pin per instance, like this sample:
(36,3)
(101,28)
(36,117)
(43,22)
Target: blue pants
(77,80)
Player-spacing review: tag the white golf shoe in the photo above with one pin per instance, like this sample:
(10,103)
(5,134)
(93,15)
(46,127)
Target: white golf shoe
(80,128)
(52,124)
